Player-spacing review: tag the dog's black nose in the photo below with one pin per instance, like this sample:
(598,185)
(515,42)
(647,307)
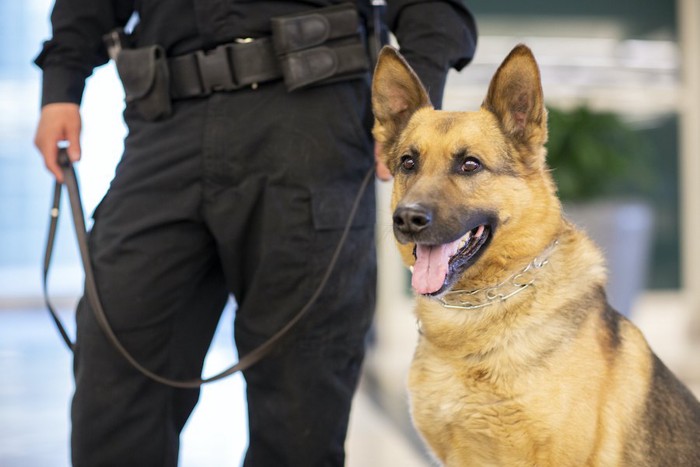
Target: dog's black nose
(412,219)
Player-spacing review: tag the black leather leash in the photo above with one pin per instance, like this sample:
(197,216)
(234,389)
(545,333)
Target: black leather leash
(248,360)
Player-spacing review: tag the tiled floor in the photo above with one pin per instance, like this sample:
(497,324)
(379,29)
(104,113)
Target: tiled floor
(36,387)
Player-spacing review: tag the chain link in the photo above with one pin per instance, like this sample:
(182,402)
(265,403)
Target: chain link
(480,298)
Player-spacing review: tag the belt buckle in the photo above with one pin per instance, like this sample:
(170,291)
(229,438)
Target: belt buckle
(215,71)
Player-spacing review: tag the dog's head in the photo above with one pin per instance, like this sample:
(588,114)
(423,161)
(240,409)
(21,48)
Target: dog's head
(472,193)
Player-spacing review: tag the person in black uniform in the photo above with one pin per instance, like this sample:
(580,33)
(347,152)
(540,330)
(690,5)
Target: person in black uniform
(234,180)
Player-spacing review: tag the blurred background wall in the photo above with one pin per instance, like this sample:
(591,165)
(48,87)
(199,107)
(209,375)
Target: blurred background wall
(25,187)
(625,57)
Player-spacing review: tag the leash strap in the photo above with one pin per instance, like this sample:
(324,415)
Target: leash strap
(47,262)
(248,360)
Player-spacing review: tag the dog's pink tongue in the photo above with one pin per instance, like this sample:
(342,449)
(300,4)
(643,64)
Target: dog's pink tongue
(430,268)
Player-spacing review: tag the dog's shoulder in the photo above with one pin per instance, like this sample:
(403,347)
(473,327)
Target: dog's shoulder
(667,432)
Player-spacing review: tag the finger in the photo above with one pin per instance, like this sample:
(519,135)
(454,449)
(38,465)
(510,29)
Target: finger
(383,172)
(50,155)
(59,122)
(46,140)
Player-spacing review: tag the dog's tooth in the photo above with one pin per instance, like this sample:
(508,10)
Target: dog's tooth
(479,231)
(410,268)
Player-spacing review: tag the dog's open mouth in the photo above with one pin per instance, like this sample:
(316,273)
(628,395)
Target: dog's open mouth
(438,266)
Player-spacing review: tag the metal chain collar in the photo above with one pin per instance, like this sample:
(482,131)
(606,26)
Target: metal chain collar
(480,298)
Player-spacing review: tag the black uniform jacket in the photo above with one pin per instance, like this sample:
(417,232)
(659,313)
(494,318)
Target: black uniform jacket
(433,35)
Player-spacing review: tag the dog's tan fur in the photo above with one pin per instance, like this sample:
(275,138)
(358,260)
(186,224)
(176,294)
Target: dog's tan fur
(551,376)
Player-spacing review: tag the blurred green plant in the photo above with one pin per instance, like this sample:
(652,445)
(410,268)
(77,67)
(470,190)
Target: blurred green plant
(596,154)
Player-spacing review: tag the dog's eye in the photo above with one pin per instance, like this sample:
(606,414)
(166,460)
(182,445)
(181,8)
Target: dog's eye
(471,165)
(407,163)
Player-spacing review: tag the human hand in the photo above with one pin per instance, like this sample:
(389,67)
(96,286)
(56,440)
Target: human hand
(58,122)
(382,170)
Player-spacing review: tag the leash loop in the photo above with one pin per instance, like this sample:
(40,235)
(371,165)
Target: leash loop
(246,361)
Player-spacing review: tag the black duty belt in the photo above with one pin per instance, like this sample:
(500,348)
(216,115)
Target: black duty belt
(228,67)
(312,47)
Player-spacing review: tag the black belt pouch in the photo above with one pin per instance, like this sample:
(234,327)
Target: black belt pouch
(146,79)
(320,46)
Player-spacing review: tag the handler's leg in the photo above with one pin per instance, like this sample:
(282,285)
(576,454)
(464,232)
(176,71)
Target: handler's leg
(299,397)
(301,158)
(162,289)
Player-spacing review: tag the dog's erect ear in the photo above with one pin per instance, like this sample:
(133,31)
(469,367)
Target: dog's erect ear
(515,97)
(396,94)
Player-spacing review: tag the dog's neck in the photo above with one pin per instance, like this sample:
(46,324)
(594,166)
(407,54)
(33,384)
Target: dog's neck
(487,296)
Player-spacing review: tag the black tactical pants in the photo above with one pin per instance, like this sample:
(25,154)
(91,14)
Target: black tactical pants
(244,193)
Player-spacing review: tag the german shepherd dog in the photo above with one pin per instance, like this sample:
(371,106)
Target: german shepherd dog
(520,360)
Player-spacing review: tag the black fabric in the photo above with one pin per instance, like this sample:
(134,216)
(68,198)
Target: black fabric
(428,50)
(146,79)
(227,67)
(214,200)
(441,34)
(314,28)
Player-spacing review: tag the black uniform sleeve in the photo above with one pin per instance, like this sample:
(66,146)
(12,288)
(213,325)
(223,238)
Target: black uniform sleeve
(433,36)
(75,47)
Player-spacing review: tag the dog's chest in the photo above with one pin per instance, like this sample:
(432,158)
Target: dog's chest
(467,421)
